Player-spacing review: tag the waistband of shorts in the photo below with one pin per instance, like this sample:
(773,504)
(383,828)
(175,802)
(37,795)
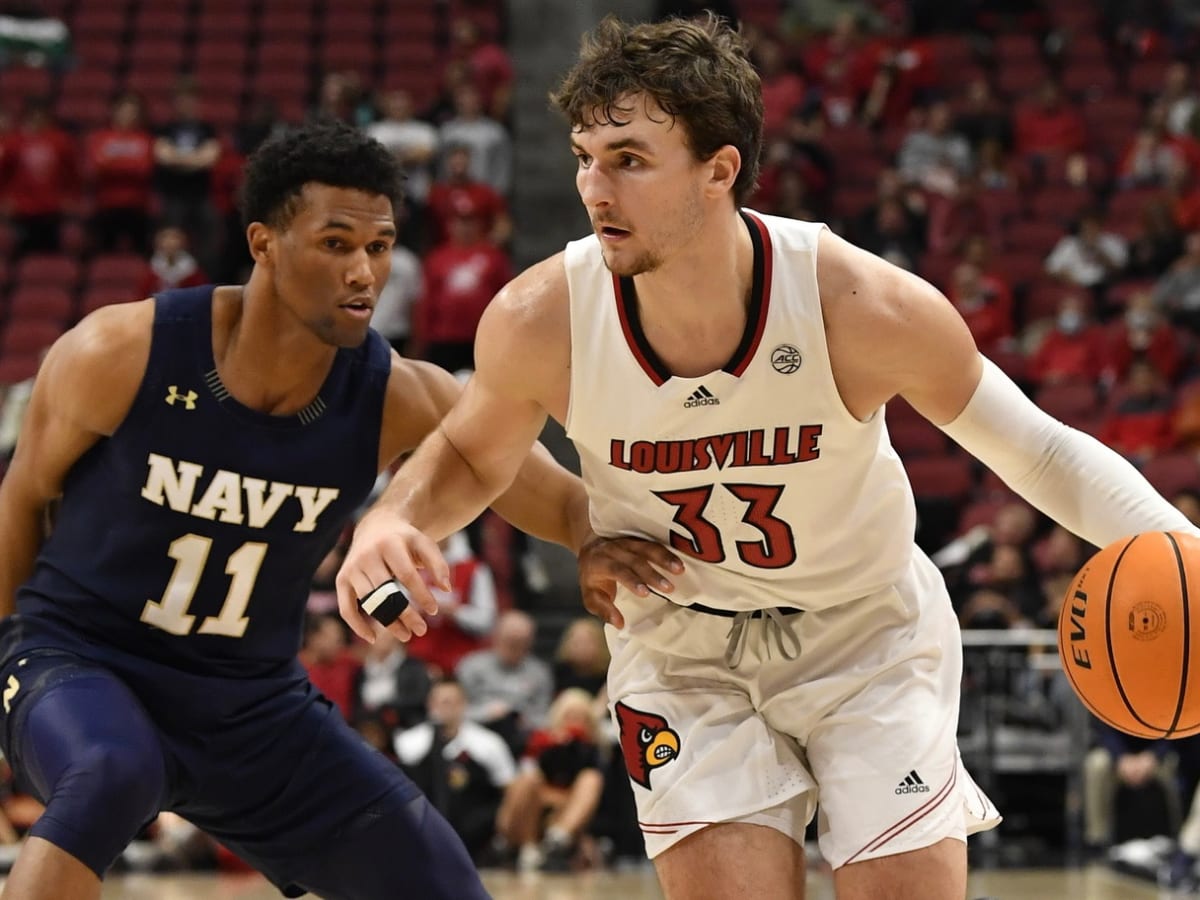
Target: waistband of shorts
(732,613)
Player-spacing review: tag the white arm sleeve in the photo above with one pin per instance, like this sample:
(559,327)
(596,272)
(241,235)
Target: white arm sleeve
(1070,476)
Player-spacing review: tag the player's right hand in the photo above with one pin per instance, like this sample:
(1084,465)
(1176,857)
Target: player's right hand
(386,547)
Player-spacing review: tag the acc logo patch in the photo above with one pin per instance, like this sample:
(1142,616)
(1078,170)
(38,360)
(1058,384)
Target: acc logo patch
(647,742)
(785,359)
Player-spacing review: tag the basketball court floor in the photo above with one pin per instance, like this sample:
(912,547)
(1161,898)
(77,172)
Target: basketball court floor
(1095,883)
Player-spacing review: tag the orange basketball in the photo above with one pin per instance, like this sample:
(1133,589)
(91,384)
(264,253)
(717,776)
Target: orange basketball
(1129,642)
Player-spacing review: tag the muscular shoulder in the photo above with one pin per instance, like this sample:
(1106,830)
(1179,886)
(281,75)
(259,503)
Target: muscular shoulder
(93,372)
(418,395)
(889,332)
(524,338)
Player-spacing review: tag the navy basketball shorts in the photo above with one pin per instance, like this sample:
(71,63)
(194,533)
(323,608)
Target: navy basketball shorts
(288,786)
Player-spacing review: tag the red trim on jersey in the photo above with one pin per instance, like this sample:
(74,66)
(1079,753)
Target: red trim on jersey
(910,820)
(630,338)
(764,298)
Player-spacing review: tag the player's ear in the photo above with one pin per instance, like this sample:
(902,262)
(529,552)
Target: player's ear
(260,240)
(724,166)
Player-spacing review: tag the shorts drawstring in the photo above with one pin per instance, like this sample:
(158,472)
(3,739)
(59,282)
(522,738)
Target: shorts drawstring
(776,625)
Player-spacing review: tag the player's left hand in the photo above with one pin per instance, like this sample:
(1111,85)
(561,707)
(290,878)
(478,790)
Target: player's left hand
(635,564)
(387,548)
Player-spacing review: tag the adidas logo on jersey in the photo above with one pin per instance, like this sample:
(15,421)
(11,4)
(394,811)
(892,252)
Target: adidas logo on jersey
(702,396)
(912,784)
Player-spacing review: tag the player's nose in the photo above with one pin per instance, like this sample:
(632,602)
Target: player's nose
(594,188)
(359,272)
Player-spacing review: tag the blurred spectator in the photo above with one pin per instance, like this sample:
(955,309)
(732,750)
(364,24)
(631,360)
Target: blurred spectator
(488,141)
(460,278)
(1139,424)
(983,117)
(994,170)
(913,204)
(261,124)
(14,404)
(985,303)
(488,66)
(1074,350)
(331,666)
(1088,256)
(808,156)
(171,265)
(415,143)
(1143,333)
(466,613)
(783,89)
(890,236)
(1008,572)
(1188,503)
(507,687)
(119,167)
(341,96)
(394,307)
(390,686)
(185,152)
(1180,98)
(458,193)
(1157,243)
(1121,763)
(552,800)
(39,178)
(462,767)
(1177,292)
(990,609)
(956,216)
(322,595)
(1049,126)
(582,657)
(234,260)
(664,9)
(932,154)
(904,70)
(1150,158)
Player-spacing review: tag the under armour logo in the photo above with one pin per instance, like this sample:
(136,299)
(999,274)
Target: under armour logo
(10,691)
(189,399)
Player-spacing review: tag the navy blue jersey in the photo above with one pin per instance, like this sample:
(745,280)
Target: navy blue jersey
(189,538)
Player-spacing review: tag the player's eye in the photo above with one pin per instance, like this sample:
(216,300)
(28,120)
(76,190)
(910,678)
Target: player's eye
(585,161)
(333,243)
(379,247)
(629,162)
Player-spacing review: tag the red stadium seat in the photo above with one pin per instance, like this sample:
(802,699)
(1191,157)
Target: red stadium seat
(354,55)
(154,20)
(948,477)
(233,23)
(18,367)
(41,303)
(285,23)
(1020,267)
(55,269)
(917,438)
(28,336)
(1145,77)
(1060,203)
(1042,298)
(1033,236)
(25,81)
(83,112)
(283,84)
(116,270)
(215,53)
(105,295)
(99,19)
(1172,473)
(1070,401)
(342,24)
(283,54)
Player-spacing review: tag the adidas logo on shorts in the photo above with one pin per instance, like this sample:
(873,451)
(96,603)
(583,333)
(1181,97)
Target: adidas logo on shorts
(912,784)
(702,396)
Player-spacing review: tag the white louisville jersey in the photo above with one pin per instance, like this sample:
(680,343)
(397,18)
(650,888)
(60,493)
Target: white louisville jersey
(757,471)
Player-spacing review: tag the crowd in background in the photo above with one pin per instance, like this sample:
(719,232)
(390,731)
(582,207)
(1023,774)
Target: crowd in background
(1035,160)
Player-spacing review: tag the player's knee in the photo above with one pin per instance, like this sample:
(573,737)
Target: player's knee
(116,785)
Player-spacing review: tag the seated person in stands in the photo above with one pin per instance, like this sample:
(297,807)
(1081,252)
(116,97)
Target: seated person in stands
(551,802)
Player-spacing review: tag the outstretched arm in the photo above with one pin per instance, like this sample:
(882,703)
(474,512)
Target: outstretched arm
(920,348)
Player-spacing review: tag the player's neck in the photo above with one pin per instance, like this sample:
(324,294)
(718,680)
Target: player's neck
(707,280)
(265,359)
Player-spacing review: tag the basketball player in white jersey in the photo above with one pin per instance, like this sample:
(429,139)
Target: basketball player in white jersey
(723,375)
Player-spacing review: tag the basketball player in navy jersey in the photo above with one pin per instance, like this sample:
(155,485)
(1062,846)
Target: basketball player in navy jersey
(723,375)
(207,447)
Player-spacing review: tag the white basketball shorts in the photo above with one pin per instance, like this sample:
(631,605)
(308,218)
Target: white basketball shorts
(862,722)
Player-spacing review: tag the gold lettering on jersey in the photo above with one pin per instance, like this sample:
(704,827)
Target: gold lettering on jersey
(733,450)
(230,497)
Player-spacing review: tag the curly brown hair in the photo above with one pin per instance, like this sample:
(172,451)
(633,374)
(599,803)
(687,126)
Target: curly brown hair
(696,70)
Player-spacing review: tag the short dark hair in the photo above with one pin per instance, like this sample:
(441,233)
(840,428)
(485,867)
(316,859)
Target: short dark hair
(696,70)
(323,152)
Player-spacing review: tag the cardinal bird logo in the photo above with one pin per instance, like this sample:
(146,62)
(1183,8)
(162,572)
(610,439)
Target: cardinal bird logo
(647,742)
